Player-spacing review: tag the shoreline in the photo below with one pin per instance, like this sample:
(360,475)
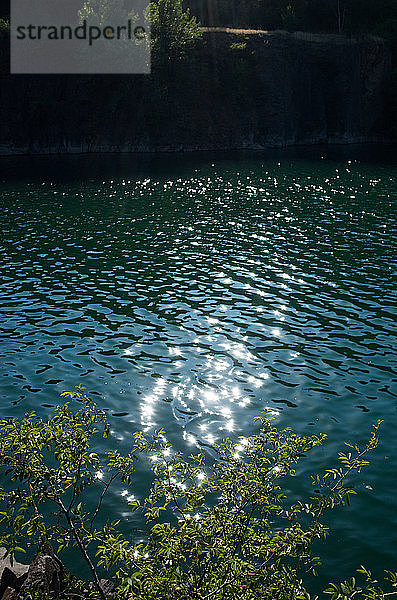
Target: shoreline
(99,149)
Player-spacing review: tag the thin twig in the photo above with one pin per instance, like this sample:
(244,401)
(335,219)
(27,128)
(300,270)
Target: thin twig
(82,548)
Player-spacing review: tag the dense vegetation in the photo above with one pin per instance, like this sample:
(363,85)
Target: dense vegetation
(219,526)
(329,16)
(351,16)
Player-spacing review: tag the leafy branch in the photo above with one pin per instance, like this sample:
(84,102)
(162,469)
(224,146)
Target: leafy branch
(218,528)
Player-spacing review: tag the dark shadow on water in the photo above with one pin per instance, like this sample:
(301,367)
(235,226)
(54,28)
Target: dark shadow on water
(96,166)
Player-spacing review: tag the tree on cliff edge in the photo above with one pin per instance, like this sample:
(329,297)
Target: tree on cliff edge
(173,29)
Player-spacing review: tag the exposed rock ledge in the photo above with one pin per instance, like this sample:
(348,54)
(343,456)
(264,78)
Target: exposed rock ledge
(46,573)
(70,148)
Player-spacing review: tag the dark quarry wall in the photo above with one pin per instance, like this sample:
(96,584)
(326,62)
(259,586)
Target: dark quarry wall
(236,89)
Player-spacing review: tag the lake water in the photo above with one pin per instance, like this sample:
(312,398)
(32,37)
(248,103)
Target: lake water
(192,292)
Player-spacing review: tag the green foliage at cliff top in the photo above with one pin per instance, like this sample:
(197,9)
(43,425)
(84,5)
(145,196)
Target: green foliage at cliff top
(328,16)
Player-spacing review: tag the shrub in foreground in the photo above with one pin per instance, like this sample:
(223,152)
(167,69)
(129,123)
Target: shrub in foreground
(217,529)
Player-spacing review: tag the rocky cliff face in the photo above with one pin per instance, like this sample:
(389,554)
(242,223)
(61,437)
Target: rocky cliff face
(45,577)
(241,89)
(314,88)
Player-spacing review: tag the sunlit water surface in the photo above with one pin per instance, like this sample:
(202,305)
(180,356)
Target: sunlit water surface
(192,293)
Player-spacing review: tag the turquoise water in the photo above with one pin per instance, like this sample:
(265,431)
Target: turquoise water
(190,293)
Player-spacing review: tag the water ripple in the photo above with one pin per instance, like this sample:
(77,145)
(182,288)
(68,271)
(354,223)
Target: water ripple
(192,300)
